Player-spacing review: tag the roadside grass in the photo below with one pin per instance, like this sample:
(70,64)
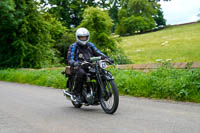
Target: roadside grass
(49,78)
(178,43)
(162,83)
(173,84)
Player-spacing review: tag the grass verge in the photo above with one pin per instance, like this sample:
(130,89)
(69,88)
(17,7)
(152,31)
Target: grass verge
(49,78)
(163,83)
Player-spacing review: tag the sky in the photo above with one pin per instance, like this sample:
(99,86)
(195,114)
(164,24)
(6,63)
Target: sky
(181,11)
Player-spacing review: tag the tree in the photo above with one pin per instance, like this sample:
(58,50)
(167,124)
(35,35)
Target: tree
(99,24)
(159,18)
(60,36)
(135,16)
(111,6)
(140,8)
(56,27)
(116,4)
(69,11)
(62,44)
(26,37)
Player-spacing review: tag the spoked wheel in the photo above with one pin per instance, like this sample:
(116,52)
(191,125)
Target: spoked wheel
(110,100)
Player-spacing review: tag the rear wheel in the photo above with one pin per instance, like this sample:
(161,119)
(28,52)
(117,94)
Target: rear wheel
(110,100)
(77,105)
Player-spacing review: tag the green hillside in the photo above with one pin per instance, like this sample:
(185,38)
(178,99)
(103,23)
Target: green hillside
(176,43)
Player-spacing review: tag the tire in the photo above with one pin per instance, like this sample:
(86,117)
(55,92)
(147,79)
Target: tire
(77,105)
(107,96)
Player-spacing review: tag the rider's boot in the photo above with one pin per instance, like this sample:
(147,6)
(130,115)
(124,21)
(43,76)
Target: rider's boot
(77,92)
(78,99)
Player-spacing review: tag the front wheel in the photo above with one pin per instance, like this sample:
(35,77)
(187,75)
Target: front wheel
(110,100)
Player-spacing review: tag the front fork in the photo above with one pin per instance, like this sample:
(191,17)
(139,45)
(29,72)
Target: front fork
(108,76)
(99,78)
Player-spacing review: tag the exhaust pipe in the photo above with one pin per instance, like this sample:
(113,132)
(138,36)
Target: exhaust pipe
(69,95)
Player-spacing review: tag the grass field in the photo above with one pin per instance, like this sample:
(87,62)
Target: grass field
(176,43)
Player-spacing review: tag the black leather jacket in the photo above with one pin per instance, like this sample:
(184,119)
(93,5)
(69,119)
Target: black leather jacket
(79,53)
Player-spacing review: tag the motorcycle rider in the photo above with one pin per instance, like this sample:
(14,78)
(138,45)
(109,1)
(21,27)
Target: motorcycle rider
(79,52)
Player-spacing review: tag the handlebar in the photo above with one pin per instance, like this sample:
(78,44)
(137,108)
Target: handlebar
(93,59)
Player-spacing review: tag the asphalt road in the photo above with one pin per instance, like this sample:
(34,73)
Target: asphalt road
(32,109)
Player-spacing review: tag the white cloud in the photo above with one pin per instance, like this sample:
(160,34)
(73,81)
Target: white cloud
(181,11)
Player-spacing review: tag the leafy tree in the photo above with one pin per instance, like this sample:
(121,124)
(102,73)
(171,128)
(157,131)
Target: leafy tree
(135,16)
(159,18)
(99,24)
(140,8)
(62,44)
(8,24)
(58,33)
(69,11)
(112,6)
(56,27)
(26,37)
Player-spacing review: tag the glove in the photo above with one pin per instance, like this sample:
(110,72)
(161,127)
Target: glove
(75,64)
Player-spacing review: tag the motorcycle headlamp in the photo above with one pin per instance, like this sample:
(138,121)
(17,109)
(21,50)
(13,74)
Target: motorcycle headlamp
(102,64)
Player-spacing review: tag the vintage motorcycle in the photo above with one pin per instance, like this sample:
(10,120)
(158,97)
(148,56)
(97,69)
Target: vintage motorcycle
(98,86)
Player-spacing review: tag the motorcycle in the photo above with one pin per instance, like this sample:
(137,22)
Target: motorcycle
(98,86)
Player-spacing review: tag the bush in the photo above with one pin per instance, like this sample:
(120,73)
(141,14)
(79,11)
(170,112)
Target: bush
(119,57)
(181,85)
